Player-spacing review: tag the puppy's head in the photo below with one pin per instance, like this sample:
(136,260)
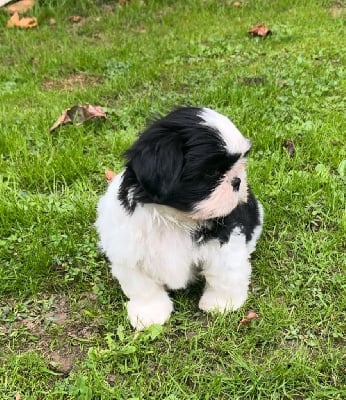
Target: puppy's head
(193,160)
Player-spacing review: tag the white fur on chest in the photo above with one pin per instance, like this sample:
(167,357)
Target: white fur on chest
(169,255)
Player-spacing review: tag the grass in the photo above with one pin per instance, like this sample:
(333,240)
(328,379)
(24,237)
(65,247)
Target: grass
(63,327)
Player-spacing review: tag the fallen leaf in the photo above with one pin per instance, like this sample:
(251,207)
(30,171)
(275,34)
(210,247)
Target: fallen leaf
(260,30)
(247,320)
(288,144)
(21,6)
(109,175)
(18,396)
(237,4)
(26,22)
(52,21)
(75,18)
(78,115)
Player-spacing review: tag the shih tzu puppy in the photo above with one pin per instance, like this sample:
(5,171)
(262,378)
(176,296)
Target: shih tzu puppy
(181,208)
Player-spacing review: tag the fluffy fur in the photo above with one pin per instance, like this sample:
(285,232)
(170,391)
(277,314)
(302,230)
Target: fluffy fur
(181,206)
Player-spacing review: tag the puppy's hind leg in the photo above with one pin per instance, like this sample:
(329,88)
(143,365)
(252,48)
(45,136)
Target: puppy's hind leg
(148,303)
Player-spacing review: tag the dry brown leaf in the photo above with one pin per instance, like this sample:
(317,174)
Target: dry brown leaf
(288,144)
(75,18)
(21,6)
(260,30)
(78,115)
(26,22)
(247,320)
(109,175)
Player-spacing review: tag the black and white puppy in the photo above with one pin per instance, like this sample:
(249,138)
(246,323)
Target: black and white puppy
(181,205)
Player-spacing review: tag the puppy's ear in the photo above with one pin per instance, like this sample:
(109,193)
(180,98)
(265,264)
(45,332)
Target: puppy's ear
(157,165)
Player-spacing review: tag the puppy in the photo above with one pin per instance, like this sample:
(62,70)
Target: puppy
(181,207)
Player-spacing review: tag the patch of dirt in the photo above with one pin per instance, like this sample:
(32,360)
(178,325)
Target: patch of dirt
(338,9)
(57,331)
(60,310)
(72,81)
(338,12)
(63,359)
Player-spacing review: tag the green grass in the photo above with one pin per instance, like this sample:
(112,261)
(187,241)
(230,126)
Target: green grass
(63,327)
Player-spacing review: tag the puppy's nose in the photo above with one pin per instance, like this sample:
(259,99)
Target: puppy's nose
(235,184)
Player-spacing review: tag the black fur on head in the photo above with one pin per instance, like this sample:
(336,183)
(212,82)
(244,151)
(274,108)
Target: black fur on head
(177,161)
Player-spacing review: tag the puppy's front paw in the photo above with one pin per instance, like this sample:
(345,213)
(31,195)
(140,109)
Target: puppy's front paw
(145,313)
(214,301)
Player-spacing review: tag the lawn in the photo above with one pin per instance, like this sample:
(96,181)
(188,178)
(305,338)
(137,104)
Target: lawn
(64,333)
